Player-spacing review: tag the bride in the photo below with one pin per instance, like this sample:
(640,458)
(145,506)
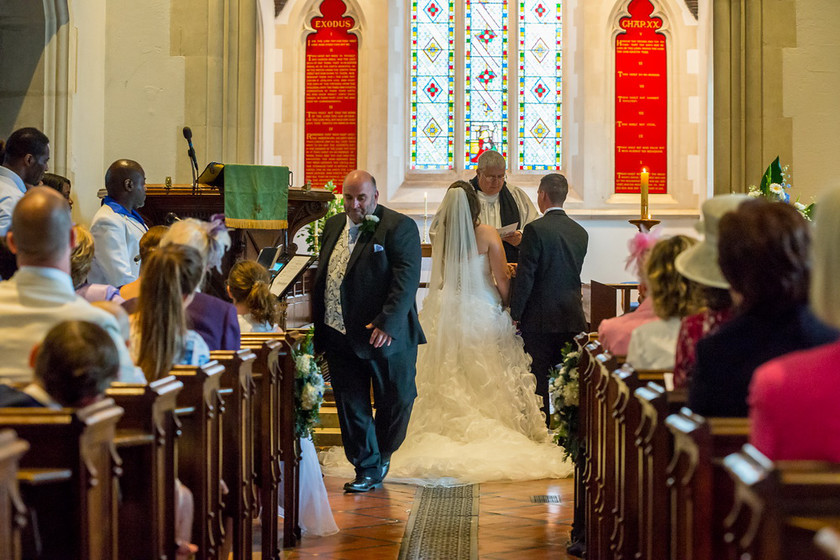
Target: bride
(476,417)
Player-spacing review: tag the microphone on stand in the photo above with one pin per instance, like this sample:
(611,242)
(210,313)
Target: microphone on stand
(191,153)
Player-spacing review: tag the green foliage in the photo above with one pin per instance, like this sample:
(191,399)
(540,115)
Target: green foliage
(315,229)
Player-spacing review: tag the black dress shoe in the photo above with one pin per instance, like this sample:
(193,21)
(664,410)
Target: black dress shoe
(383,469)
(362,484)
(577,549)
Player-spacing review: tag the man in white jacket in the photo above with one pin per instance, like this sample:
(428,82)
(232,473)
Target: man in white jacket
(40,294)
(117,227)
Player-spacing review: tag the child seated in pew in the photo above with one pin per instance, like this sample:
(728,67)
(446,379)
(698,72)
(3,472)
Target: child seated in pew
(256,307)
(793,399)
(159,334)
(73,366)
(654,345)
(185,503)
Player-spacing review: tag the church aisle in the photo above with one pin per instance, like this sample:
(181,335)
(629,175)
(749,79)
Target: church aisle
(510,526)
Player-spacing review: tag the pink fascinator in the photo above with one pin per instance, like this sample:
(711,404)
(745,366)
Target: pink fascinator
(639,246)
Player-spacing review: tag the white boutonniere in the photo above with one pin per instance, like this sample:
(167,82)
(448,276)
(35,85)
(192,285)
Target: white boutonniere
(369,223)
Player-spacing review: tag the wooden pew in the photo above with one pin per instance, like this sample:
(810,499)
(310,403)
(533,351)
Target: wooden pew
(653,450)
(73,452)
(237,389)
(200,451)
(605,475)
(700,490)
(579,520)
(589,430)
(779,507)
(274,370)
(624,541)
(12,511)
(146,442)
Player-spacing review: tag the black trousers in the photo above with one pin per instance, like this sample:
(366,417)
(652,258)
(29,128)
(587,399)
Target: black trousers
(546,350)
(369,440)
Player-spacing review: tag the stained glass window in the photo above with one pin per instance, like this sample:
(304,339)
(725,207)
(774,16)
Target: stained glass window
(476,32)
(486,69)
(432,81)
(540,85)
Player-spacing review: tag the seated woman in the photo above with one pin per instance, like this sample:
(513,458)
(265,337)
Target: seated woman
(653,345)
(763,254)
(148,243)
(700,264)
(80,260)
(214,319)
(614,333)
(159,334)
(793,399)
(256,306)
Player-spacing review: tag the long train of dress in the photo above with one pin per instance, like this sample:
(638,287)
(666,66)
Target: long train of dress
(477,417)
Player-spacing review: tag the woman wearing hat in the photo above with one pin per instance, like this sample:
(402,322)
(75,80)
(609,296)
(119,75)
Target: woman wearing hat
(763,252)
(700,264)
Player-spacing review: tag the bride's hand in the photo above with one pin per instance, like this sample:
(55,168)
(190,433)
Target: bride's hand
(378,338)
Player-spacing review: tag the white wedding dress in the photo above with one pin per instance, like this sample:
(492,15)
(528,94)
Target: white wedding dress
(476,417)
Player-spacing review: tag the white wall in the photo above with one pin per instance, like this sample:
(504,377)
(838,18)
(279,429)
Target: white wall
(811,84)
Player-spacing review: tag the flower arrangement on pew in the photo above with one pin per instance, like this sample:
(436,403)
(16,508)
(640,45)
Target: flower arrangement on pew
(564,389)
(774,186)
(309,387)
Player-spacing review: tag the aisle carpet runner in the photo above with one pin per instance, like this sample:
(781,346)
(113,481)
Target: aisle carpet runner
(443,525)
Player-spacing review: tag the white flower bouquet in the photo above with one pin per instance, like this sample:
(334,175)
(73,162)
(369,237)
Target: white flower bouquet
(564,391)
(309,388)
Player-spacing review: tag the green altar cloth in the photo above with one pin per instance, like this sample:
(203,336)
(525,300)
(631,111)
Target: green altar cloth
(256,196)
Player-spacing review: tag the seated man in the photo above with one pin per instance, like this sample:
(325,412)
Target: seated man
(117,227)
(73,366)
(40,294)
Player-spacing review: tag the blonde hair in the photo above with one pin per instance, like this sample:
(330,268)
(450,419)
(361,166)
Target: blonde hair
(82,256)
(172,274)
(673,294)
(248,283)
(210,239)
(826,258)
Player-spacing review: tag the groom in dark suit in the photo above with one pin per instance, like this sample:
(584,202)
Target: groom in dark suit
(366,324)
(546,299)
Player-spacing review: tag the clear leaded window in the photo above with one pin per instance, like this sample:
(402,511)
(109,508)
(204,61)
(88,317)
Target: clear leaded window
(464,55)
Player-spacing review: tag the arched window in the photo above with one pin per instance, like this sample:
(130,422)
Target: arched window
(479,83)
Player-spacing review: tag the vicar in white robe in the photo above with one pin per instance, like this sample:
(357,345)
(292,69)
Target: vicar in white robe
(502,204)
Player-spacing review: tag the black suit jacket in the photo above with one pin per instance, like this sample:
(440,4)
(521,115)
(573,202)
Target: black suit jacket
(546,293)
(379,287)
(727,359)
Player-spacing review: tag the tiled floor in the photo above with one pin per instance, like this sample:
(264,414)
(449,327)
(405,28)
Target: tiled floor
(510,526)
